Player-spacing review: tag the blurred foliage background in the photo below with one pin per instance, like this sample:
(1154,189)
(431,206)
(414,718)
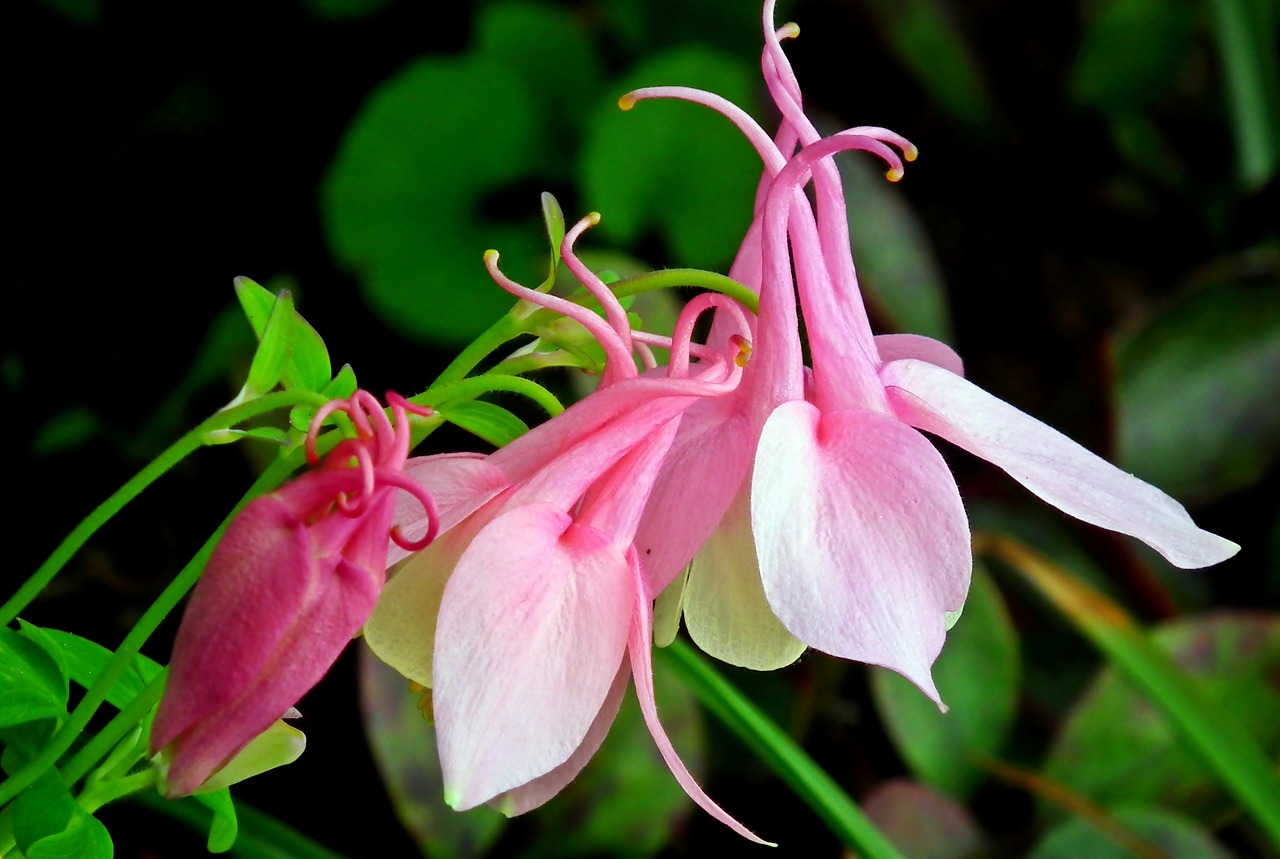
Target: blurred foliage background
(1091,224)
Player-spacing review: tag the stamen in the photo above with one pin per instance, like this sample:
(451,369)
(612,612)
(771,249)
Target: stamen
(364,461)
(403,481)
(614,312)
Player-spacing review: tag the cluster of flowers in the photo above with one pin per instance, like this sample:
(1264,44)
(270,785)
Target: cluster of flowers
(786,506)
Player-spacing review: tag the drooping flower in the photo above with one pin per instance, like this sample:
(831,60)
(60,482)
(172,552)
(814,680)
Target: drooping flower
(859,533)
(529,614)
(290,583)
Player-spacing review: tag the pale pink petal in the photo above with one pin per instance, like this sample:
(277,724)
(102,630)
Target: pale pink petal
(529,796)
(893,347)
(531,631)
(642,670)
(459,484)
(725,607)
(1048,463)
(707,463)
(861,535)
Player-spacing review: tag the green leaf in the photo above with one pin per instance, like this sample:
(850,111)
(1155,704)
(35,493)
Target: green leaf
(44,809)
(33,684)
(492,423)
(274,345)
(1114,749)
(84,838)
(402,197)
(1246,34)
(1195,389)
(941,747)
(85,660)
(674,167)
(404,750)
(924,823)
(222,826)
(1133,53)
(1169,834)
(307,364)
(1211,731)
(553,218)
(69,429)
(897,267)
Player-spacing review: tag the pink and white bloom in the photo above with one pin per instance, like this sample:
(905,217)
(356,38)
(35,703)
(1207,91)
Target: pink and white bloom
(529,614)
(860,536)
(291,582)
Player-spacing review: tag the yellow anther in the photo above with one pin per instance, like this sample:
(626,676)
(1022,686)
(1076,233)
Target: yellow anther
(627,101)
(593,217)
(789,30)
(490,257)
(744,352)
(911,153)
(894,174)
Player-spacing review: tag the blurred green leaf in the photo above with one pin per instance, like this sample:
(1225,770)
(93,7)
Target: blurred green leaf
(42,810)
(404,750)
(928,41)
(1116,747)
(897,268)
(940,747)
(66,431)
(1246,32)
(77,11)
(924,823)
(1169,834)
(402,198)
(674,167)
(490,422)
(1195,390)
(1133,53)
(86,659)
(32,683)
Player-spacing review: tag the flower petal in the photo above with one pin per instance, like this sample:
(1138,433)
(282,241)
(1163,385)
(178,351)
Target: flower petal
(459,484)
(862,539)
(1048,463)
(531,631)
(893,347)
(533,794)
(725,608)
(642,670)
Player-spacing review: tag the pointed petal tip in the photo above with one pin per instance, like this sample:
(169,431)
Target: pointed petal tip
(453,799)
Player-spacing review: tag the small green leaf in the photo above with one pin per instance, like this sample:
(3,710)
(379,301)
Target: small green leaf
(941,747)
(1133,53)
(44,809)
(492,423)
(553,217)
(1172,836)
(274,345)
(222,827)
(1195,390)
(85,660)
(32,683)
(84,838)
(306,366)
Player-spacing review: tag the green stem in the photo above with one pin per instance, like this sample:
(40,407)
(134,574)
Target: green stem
(695,277)
(470,389)
(505,329)
(99,795)
(1244,38)
(781,753)
(142,630)
(184,446)
(115,731)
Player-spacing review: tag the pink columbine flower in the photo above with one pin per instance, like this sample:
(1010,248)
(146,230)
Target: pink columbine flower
(529,614)
(859,533)
(291,582)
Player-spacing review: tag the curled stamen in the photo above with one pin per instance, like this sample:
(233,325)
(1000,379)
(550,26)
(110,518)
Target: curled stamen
(399,406)
(682,337)
(614,312)
(364,461)
(757,136)
(617,353)
(400,480)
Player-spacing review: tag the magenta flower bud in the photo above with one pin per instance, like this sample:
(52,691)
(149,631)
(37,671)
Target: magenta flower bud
(291,582)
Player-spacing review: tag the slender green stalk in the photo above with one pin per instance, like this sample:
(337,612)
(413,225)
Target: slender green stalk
(115,731)
(809,781)
(142,630)
(695,277)
(176,452)
(470,389)
(1211,732)
(504,330)
(261,836)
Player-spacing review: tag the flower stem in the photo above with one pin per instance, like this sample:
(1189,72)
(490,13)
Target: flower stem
(781,753)
(175,453)
(695,277)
